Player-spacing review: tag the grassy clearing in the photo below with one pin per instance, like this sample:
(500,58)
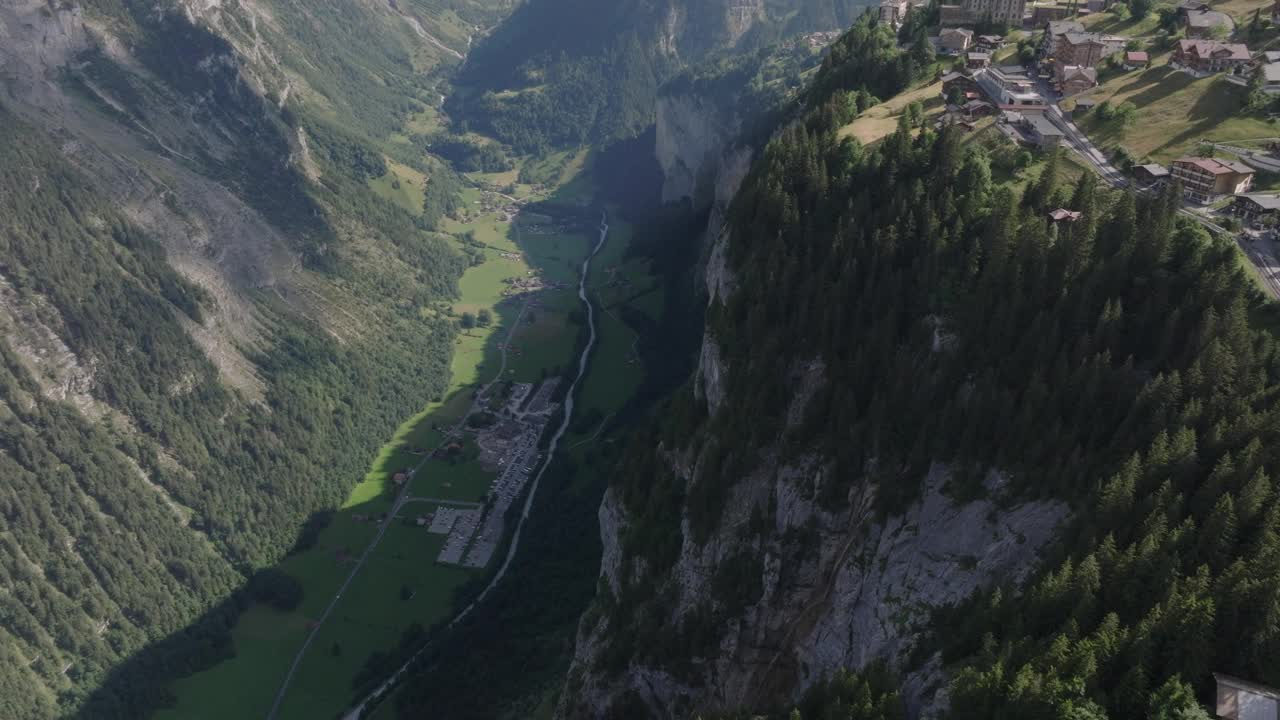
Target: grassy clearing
(401,185)
(1175,112)
(881,120)
(1111,24)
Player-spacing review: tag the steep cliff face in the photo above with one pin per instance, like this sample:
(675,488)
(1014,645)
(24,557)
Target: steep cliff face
(857,589)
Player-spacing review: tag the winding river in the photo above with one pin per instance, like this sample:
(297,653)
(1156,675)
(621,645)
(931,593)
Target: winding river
(355,712)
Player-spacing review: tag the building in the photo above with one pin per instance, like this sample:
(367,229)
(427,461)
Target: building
(1074,79)
(1205,57)
(1042,132)
(967,86)
(1271,78)
(955,41)
(990,43)
(1008,86)
(1242,700)
(971,12)
(893,12)
(1056,29)
(977,60)
(1065,215)
(952,15)
(1204,24)
(1253,207)
(1150,174)
(1204,179)
(977,108)
(1041,14)
(1085,49)
(1000,12)
(1136,59)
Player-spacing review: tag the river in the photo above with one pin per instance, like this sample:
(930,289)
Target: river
(355,712)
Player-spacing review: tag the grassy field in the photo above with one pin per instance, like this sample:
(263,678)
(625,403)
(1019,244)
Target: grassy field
(881,120)
(1175,113)
(401,185)
(372,614)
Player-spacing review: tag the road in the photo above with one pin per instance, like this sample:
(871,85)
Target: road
(401,499)
(1265,260)
(355,712)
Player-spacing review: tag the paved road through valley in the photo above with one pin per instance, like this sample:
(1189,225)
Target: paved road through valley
(355,712)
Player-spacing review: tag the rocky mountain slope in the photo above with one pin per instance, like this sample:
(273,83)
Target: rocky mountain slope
(209,320)
(935,433)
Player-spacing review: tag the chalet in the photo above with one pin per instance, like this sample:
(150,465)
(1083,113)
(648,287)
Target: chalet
(1204,179)
(1203,24)
(967,86)
(400,478)
(1275,12)
(1242,700)
(1055,29)
(977,60)
(1150,174)
(1073,79)
(1136,59)
(1042,132)
(1064,215)
(955,41)
(977,108)
(1253,207)
(1205,57)
(990,43)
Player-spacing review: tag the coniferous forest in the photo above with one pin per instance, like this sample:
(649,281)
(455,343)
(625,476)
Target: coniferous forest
(1124,363)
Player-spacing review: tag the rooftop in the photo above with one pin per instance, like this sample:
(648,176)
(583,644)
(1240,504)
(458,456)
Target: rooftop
(1137,56)
(1064,214)
(1155,170)
(1264,200)
(1073,72)
(1042,126)
(1210,48)
(1215,166)
(1209,18)
(1059,27)
(1247,686)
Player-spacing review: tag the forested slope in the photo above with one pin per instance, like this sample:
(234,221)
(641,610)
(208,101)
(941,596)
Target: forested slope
(210,321)
(1025,465)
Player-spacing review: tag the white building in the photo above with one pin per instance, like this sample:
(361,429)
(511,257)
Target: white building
(1242,700)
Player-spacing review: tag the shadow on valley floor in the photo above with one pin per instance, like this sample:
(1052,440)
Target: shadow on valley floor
(231,661)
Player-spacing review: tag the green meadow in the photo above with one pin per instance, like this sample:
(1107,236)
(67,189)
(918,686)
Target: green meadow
(400,584)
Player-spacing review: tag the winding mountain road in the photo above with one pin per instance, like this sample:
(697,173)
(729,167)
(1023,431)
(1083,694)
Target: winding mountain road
(355,712)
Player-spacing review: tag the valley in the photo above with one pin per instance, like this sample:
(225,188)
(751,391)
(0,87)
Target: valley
(581,360)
